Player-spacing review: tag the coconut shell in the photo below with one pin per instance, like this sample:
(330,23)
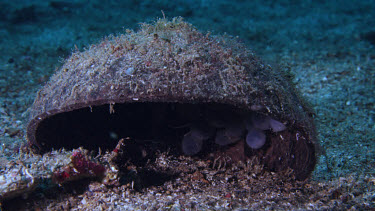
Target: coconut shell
(169,64)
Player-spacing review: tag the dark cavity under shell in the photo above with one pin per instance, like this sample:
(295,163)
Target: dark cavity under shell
(155,84)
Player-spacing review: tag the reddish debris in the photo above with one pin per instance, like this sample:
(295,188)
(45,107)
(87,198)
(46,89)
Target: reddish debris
(80,166)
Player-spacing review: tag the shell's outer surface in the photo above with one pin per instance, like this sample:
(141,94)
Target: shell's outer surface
(171,61)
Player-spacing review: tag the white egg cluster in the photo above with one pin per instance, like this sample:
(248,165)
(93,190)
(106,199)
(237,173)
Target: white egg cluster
(226,132)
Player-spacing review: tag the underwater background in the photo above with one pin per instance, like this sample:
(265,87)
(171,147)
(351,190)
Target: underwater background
(328,46)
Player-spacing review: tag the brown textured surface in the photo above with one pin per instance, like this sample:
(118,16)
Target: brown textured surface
(173,62)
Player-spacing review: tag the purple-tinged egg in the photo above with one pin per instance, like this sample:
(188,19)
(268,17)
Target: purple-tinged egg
(277,126)
(235,130)
(260,121)
(190,144)
(255,138)
(222,139)
(202,131)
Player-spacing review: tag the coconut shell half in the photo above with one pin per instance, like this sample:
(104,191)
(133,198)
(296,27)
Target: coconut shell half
(149,84)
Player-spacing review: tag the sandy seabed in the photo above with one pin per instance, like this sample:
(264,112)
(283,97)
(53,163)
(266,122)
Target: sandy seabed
(329,47)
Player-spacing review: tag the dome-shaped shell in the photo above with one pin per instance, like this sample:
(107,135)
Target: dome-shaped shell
(172,62)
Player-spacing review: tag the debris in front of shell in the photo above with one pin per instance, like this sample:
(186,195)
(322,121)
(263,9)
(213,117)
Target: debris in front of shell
(28,172)
(199,187)
(16,180)
(20,176)
(79,167)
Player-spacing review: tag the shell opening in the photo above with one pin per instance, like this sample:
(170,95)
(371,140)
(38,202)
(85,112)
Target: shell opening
(181,128)
(188,127)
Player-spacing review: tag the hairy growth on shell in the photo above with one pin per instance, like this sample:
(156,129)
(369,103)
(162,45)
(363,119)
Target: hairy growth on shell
(169,83)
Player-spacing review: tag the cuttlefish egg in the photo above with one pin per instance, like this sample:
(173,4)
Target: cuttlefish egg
(202,131)
(260,121)
(263,122)
(235,130)
(192,141)
(229,135)
(255,138)
(276,125)
(222,139)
